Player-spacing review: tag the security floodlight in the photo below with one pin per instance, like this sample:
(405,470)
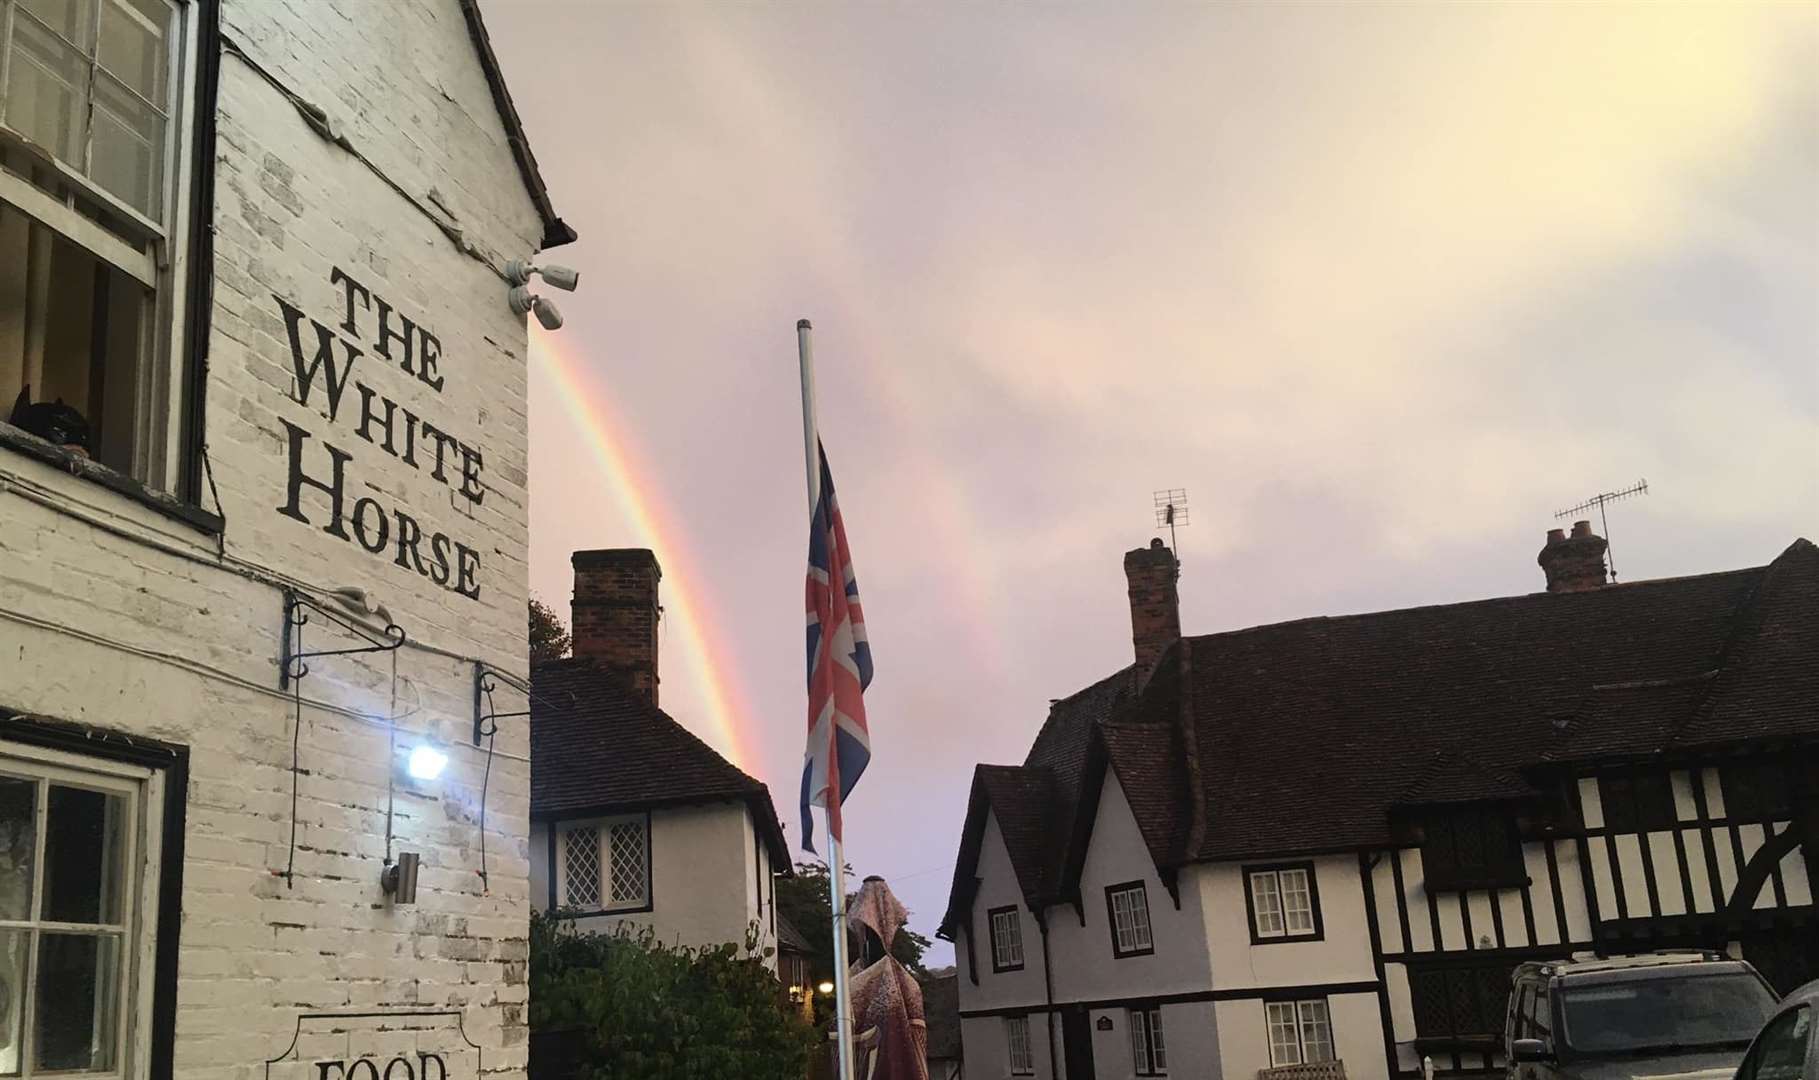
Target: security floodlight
(427,763)
(519,271)
(523,302)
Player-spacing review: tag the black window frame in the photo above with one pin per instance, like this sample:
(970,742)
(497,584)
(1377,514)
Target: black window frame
(1141,888)
(1150,1013)
(1441,867)
(1637,801)
(1313,893)
(991,936)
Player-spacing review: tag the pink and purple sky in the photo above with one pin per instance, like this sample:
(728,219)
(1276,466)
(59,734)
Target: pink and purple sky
(1381,287)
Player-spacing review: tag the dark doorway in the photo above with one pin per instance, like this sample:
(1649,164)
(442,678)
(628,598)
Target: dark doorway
(1077,1042)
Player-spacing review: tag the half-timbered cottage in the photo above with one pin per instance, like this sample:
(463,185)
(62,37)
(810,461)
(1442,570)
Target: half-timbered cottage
(1327,842)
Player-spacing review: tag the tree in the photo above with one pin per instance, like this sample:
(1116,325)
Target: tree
(643,1010)
(549,638)
(806,902)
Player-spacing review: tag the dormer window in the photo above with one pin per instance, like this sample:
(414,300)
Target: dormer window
(1007,939)
(1284,904)
(1472,847)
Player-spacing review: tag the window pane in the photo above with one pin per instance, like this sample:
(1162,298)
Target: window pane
(581,868)
(78,993)
(84,856)
(71,18)
(1297,903)
(127,157)
(133,44)
(1140,919)
(1140,1056)
(45,97)
(1268,902)
(14,944)
(1316,1032)
(18,838)
(1158,1052)
(627,854)
(1285,1046)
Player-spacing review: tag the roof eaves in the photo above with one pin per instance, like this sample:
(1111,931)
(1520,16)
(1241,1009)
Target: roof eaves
(556,232)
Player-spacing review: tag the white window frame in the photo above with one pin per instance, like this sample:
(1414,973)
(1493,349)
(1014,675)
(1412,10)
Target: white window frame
(1308,1023)
(1006,936)
(1132,932)
(142,834)
(1149,1053)
(1018,1047)
(160,261)
(603,827)
(1273,916)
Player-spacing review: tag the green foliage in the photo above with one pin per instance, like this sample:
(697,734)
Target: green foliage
(652,1011)
(549,638)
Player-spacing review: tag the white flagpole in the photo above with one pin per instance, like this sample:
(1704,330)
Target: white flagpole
(836,862)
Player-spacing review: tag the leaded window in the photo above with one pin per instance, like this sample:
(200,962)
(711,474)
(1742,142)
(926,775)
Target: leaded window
(605,864)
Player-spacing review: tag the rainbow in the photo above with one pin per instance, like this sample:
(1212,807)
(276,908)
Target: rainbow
(708,661)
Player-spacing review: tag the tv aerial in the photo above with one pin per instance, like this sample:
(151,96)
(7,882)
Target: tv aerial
(1171,510)
(1640,487)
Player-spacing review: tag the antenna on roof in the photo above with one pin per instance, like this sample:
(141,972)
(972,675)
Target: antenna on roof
(1171,510)
(1640,487)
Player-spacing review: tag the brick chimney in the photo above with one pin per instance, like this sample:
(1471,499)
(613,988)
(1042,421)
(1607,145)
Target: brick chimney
(614,613)
(1155,607)
(1573,563)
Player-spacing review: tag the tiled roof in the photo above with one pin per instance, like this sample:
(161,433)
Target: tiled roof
(1308,732)
(941,1011)
(790,939)
(597,746)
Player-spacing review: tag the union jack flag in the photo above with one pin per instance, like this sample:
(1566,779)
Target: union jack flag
(839,667)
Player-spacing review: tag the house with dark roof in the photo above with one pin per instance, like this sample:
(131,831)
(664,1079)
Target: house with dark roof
(634,820)
(1321,846)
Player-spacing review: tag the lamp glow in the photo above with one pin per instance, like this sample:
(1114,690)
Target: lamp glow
(427,763)
(826,988)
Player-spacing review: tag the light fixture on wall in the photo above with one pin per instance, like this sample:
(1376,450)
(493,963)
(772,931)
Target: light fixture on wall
(523,301)
(426,762)
(399,880)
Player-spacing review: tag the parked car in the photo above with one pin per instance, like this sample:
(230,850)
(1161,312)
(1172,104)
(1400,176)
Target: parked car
(1686,1014)
(1788,1048)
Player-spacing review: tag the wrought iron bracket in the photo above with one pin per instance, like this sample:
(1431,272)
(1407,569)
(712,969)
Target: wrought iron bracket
(293,661)
(485,719)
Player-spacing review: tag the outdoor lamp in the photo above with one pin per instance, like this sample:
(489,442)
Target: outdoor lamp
(426,762)
(826,987)
(399,880)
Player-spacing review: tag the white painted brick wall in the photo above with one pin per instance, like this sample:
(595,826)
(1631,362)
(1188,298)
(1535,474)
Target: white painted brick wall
(111,631)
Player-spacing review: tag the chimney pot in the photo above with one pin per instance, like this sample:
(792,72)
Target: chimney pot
(1574,563)
(1150,574)
(614,614)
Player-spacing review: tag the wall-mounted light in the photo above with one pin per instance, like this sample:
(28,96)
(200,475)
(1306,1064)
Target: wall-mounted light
(399,880)
(825,987)
(523,301)
(426,762)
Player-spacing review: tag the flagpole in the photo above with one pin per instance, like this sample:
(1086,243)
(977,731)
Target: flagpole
(836,862)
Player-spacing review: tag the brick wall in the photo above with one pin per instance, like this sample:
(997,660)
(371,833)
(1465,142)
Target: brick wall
(614,614)
(116,617)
